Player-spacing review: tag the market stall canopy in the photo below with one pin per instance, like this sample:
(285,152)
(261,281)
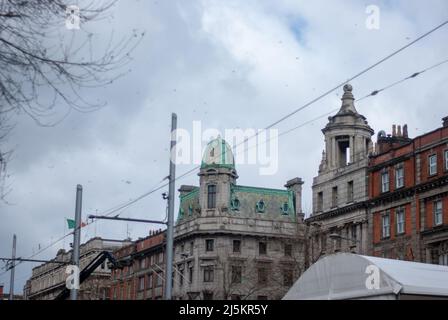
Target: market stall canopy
(351,276)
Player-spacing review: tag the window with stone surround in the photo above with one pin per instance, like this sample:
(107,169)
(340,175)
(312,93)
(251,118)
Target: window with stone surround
(211,196)
(400,220)
(237,272)
(236,246)
(446,160)
(350,191)
(385,222)
(320,201)
(208,274)
(288,250)
(399,176)
(209,245)
(432,162)
(262,247)
(438,217)
(262,275)
(334,198)
(385,181)
(288,278)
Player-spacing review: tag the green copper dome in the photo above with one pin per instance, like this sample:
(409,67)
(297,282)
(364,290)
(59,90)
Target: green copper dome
(218,154)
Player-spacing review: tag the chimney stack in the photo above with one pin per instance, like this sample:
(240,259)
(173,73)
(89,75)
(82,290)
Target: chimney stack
(405,131)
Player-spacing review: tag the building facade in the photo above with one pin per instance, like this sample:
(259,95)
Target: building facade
(236,242)
(339,220)
(48,279)
(140,271)
(409,196)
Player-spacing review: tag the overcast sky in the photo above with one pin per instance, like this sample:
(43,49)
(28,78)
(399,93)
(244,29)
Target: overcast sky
(228,64)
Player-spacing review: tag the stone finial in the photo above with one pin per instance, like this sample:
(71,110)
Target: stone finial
(348,88)
(348,100)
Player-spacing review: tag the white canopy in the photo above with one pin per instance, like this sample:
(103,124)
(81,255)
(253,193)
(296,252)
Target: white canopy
(344,276)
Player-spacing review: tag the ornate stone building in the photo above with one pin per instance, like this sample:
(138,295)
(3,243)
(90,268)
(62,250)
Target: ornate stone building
(339,218)
(48,279)
(233,241)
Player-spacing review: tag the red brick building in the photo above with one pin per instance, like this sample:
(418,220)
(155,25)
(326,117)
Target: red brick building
(141,269)
(408,196)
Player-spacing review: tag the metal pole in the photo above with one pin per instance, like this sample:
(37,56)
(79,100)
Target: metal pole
(13,265)
(76,237)
(170,225)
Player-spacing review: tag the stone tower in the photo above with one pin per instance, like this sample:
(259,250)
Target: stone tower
(347,135)
(339,218)
(217,175)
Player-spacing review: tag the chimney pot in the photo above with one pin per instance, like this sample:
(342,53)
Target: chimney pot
(445,122)
(399,131)
(405,131)
(394,130)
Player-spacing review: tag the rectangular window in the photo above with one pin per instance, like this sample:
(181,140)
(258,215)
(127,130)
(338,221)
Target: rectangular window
(446,160)
(191,248)
(287,277)
(236,246)
(438,218)
(400,215)
(432,164)
(354,229)
(320,201)
(209,245)
(334,199)
(181,277)
(150,281)
(208,274)
(190,273)
(399,177)
(142,264)
(211,196)
(237,272)
(262,276)
(350,191)
(386,225)
(288,250)
(262,248)
(141,283)
(385,181)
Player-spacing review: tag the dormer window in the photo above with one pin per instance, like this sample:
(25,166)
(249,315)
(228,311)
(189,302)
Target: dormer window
(285,208)
(212,152)
(235,204)
(260,206)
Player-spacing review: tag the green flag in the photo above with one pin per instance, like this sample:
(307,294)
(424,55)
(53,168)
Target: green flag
(71,223)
